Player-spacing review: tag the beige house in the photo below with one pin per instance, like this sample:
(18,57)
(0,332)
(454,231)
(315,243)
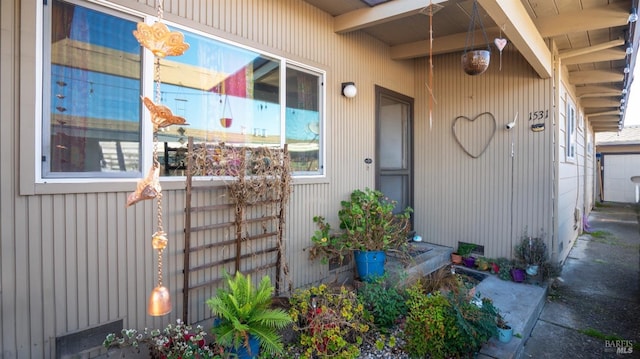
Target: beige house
(75,137)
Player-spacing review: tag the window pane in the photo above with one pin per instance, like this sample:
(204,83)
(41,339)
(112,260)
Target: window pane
(93,118)
(226,94)
(303,120)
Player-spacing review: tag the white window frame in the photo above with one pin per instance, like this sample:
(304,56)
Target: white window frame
(571,130)
(32,181)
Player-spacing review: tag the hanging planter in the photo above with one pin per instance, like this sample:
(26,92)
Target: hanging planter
(474,61)
(227,117)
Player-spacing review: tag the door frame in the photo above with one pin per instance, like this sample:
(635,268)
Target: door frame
(381,92)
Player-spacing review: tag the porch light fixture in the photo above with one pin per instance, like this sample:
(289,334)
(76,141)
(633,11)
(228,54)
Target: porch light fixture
(349,89)
(633,15)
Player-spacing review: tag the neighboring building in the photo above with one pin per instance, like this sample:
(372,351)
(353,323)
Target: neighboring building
(619,158)
(75,139)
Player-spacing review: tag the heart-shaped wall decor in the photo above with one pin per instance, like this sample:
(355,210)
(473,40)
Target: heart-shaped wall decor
(474,135)
(500,43)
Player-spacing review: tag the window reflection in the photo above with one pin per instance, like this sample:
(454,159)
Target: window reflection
(94,112)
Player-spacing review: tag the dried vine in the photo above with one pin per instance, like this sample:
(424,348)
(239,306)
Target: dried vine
(253,175)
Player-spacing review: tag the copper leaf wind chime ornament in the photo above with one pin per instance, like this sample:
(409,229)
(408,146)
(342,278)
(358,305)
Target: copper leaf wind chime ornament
(475,62)
(161,42)
(429,11)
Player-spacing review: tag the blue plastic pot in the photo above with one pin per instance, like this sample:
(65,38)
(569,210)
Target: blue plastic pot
(243,353)
(505,334)
(370,264)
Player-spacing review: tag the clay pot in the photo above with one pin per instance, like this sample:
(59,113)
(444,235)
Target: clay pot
(456,258)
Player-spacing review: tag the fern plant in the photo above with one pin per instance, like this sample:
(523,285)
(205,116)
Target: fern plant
(243,311)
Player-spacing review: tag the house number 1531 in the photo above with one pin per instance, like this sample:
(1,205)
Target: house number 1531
(538,115)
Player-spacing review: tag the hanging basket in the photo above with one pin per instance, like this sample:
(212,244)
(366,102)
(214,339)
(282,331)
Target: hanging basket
(475,62)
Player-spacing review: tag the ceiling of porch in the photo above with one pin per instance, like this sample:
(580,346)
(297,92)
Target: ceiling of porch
(591,36)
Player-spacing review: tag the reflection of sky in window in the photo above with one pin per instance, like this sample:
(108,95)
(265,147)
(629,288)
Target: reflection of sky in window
(302,125)
(213,55)
(203,110)
(94,94)
(104,30)
(100,95)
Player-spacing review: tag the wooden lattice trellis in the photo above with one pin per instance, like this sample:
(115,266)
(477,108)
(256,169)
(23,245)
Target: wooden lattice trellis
(249,211)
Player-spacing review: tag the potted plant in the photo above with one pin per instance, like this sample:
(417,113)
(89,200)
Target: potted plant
(370,228)
(246,323)
(483,264)
(505,332)
(518,274)
(531,252)
(464,251)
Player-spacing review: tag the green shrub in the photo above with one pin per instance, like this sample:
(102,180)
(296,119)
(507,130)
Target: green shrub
(331,323)
(455,324)
(430,325)
(386,303)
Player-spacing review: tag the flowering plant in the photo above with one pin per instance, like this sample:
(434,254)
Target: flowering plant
(179,341)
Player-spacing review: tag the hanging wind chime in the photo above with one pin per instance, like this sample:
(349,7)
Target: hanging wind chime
(475,62)
(430,10)
(161,42)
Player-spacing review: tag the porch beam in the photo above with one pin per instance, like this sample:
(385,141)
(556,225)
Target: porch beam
(598,56)
(522,32)
(600,102)
(597,91)
(441,45)
(601,17)
(591,49)
(595,76)
(380,14)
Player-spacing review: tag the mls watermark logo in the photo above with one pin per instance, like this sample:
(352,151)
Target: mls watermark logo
(618,346)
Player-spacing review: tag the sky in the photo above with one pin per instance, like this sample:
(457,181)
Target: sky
(632,115)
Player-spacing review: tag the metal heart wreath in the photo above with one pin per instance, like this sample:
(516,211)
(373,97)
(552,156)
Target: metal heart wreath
(474,135)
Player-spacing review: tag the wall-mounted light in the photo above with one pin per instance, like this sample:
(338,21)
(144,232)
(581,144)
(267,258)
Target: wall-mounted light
(624,91)
(349,89)
(622,100)
(633,15)
(629,49)
(626,69)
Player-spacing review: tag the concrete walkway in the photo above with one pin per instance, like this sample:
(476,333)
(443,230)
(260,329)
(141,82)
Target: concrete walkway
(593,311)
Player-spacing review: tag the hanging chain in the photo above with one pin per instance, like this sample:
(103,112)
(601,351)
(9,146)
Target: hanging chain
(159,267)
(160,10)
(156,163)
(470,40)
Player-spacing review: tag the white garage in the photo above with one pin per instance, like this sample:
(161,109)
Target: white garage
(617,172)
(619,157)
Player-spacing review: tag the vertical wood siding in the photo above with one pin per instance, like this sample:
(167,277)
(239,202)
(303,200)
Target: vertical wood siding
(491,199)
(83,259)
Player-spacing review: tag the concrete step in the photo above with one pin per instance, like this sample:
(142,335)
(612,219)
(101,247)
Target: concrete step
(520,304)
(426,258)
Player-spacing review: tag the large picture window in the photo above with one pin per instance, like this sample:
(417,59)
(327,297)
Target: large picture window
(93,125)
